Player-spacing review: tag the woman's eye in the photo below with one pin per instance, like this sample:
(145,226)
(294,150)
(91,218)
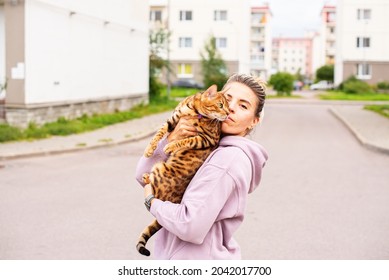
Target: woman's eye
(244,106)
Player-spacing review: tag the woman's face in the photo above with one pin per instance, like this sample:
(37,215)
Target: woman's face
(242,103)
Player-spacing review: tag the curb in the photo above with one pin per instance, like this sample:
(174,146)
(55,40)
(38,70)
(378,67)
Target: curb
(79,149)
(362,140)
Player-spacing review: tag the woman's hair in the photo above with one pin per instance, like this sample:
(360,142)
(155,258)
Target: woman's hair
(255,84)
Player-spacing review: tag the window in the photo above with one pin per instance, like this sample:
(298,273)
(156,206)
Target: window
(185,15)
(184,70)
(363,71)
(330,17)
(185,42)
(363,14)
(221,42)
(155,15)
(220,15)
(363,42)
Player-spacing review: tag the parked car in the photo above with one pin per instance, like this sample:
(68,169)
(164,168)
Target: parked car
(322,85)
(187,83)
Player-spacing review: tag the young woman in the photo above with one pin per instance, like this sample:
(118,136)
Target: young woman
(213,206)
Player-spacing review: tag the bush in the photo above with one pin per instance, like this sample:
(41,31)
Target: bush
(35,132)
(383,85)
(355,86)
(282,82)
(9,133)
(64,127)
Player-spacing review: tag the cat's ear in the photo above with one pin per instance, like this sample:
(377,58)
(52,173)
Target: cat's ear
(211,91)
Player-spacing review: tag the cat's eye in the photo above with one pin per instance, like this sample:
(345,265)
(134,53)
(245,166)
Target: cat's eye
(220,105)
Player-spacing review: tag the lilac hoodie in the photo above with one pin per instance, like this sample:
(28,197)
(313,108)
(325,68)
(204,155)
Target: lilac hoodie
(213,206)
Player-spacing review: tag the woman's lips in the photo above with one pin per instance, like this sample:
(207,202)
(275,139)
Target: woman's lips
(230,119)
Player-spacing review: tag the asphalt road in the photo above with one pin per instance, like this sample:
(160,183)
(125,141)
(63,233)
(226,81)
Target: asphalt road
(323,196)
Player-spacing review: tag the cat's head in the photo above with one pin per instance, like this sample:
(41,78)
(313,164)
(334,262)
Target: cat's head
(213,104)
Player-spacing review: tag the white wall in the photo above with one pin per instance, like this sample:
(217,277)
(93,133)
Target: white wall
(100,51)
(348,28)
(2,48)
(376,29)
(236,29)
(318,53)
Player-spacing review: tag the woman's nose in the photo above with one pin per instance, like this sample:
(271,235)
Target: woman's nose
(231,106)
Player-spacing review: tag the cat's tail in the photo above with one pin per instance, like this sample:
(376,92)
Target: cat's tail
(148,232)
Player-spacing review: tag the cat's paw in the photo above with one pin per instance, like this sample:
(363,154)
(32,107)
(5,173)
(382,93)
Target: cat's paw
(169,149)
(146,178)
(149,151)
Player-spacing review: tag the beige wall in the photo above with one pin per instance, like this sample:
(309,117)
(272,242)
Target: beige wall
(380,71)
(14,51)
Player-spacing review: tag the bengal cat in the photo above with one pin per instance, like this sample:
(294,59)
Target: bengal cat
(205,110)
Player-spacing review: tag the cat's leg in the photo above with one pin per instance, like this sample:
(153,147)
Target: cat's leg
(146,178)
(194,142)
(154,141)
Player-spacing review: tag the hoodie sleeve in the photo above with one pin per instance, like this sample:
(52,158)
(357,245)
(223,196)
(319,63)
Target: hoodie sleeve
(204,199)
(146,164)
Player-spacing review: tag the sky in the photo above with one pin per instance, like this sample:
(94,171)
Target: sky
(293,18)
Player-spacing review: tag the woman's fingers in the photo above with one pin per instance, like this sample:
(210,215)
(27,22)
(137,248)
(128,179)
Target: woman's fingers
(183,129)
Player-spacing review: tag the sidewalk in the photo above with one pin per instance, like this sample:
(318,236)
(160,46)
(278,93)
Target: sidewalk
(111,135)
(371,129)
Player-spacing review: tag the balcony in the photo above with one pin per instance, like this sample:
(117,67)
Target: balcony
(258,37)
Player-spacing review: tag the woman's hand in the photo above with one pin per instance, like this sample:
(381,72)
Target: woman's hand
(183,129)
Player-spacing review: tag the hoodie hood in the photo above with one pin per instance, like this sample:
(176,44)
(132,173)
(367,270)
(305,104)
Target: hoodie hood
(254,151)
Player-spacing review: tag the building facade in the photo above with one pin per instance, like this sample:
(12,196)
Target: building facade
(261,43)
(69,58)
(293,55)
(192,23)
(328,37)
(362,40)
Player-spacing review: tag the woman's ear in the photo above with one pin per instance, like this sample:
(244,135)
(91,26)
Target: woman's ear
(255,121)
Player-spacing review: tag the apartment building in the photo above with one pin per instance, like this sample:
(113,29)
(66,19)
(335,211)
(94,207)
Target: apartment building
(231,22)
(327,32)
(362,40)
(293,55)
(261,43)
(2,48)
(69,58)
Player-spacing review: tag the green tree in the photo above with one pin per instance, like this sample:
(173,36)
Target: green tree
(282,83)
(298,76)
(158,44)
(3,86)
(325,73)
(212,64)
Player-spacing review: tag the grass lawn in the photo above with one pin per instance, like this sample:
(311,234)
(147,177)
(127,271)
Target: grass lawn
(380,109)
(338,95)
(180,92)
(85,123)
